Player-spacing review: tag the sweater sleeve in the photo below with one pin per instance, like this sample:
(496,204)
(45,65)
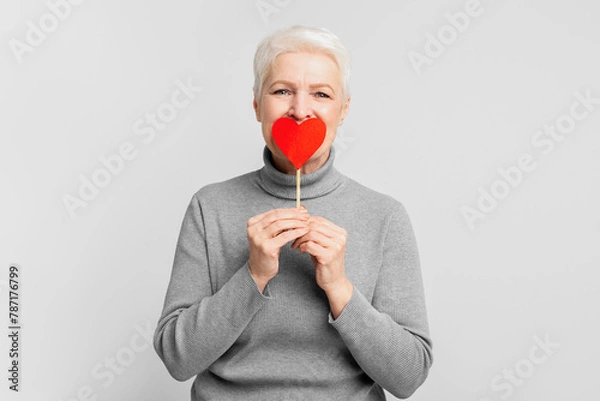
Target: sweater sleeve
(197,326)
(389,338)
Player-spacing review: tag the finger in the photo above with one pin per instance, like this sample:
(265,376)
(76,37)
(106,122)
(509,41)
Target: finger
(323,230)
(338,236)
(319,239)
(287,236)
(258,235)
(279,226)
(298,241)
(268,217)
(319,221)
(255,219)
(312,248)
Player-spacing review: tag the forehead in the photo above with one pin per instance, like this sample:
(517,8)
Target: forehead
(305,67)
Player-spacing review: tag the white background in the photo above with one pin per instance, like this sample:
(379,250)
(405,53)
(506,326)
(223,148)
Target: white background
(429,136)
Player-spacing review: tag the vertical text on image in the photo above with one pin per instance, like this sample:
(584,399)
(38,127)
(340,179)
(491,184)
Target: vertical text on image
(14,328)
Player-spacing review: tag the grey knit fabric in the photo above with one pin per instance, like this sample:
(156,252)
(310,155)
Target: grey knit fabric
(242,344)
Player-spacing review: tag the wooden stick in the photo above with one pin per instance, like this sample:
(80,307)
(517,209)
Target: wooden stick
(298,188)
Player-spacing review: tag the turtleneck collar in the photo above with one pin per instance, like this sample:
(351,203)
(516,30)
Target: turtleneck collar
(313,185)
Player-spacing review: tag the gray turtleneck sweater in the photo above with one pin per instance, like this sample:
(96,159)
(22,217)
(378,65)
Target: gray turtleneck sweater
(283,344)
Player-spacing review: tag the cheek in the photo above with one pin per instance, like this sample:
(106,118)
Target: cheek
(273,109)
(331,117)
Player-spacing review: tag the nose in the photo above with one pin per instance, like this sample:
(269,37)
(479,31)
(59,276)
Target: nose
(300,107)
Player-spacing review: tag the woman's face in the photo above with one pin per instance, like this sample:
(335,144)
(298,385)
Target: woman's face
(302,86)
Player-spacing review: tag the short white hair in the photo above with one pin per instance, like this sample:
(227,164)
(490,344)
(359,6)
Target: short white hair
(300,38)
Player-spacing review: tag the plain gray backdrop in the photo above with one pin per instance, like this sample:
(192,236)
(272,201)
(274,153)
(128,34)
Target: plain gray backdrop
(481,117)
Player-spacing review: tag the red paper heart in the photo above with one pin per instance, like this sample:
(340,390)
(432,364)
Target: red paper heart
(298,141)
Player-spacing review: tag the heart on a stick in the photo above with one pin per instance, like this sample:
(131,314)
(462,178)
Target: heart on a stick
(298,142)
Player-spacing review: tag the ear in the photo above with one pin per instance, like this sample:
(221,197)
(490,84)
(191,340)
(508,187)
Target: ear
(256,110)
(344,111)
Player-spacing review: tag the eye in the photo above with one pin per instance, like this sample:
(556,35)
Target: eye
(281,92)
(322,95)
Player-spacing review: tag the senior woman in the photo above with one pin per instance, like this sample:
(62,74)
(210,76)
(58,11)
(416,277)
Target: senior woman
(271,302)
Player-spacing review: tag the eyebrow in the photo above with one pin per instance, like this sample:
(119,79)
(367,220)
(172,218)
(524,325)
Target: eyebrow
(313,86)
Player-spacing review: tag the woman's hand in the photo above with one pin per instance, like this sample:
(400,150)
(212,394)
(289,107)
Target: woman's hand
(267,233)
(326,243)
